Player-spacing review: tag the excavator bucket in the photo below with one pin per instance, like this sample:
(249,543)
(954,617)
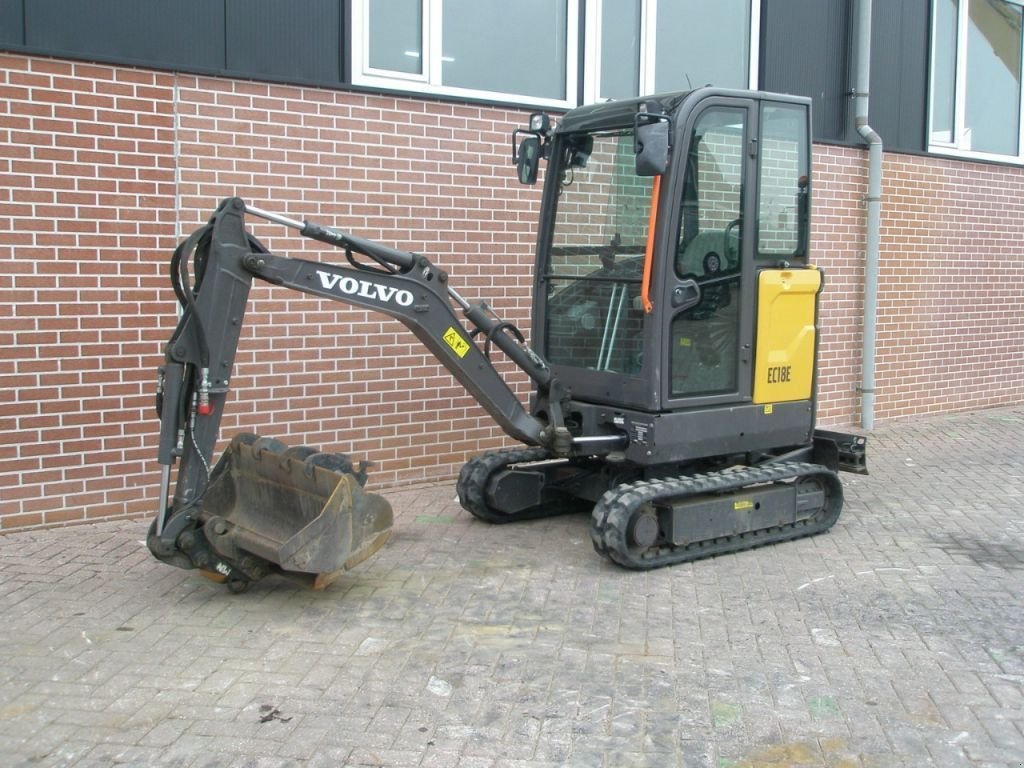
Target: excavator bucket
(302,513)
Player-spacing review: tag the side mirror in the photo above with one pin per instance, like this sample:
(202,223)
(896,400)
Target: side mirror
(651,143)
(528,159)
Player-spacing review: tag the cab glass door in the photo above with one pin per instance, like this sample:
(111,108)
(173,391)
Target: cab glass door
(704,340)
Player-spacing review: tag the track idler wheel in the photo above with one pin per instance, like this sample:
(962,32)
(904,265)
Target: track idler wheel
(644,529)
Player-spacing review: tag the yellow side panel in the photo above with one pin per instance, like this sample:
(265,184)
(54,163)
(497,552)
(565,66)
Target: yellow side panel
(786,335)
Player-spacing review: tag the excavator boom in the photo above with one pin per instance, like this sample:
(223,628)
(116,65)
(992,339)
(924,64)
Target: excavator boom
(264,507)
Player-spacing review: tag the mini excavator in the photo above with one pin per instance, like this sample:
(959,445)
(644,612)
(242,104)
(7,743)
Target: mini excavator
(673,359)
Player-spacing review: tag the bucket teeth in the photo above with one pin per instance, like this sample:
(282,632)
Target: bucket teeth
(297,511)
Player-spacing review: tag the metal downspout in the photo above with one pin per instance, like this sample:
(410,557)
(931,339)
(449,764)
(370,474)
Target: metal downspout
(874,210)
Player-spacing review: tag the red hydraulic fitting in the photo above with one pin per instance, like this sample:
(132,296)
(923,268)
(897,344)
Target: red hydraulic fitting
(204,407)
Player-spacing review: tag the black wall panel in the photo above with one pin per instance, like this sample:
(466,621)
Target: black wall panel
(284,40)
(11,22)
(278,40)
(183,34)
(805,51)
(899,72)
(808,49)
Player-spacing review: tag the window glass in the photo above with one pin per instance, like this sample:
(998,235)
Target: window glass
(976,77)
(509,48)
(594,315)
(782,181)
(701,43)
(944,70)
(704,339)
(396,35)
(993,76)
(524,51)
(620,49)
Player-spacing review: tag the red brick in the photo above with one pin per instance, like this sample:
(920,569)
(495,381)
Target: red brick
(91,203)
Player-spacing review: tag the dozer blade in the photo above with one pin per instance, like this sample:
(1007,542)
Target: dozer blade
(294,511)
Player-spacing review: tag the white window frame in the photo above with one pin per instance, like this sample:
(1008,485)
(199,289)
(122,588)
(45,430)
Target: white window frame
(960,146)
(649,47)
(430,79)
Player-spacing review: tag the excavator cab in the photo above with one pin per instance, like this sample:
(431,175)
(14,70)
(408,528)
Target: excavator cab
(648,286)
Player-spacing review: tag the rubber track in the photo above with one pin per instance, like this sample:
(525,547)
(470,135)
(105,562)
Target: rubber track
(612,514)
(475,474)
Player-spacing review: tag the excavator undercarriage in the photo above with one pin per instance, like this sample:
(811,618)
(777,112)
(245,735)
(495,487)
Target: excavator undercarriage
(664,515)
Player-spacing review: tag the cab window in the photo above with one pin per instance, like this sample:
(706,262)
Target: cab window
(704,338)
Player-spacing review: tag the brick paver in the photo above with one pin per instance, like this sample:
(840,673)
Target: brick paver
(895,640)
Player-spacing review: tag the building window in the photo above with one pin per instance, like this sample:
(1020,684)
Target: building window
(620,46)
(975,93)
(653,46)
(520,52)
(396,37)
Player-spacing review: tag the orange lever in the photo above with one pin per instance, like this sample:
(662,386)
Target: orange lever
(652,219)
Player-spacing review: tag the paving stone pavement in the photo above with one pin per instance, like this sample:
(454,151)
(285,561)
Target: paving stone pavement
(897,639)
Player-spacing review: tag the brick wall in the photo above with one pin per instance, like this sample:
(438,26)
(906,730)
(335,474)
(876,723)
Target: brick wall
(86,214)
(102,169)
(837,246)
(951,284)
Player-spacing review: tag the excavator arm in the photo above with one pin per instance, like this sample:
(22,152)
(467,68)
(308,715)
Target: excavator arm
(251,514)
(417,294)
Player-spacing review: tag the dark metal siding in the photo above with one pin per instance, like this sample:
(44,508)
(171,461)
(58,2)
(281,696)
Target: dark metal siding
(12,22)
(899,72)
(808,49)
(186,34)
(273,40)
(805,51)
(285,40)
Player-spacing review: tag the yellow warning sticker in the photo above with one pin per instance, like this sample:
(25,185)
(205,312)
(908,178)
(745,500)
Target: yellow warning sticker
(768,410)
(454,340)
(745,504)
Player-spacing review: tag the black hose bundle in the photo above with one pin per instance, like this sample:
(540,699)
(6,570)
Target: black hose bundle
(196,246)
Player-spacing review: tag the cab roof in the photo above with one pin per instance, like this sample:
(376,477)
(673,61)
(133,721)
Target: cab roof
(615,114)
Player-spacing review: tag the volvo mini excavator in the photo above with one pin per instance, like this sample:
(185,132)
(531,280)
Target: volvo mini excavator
(673,356)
